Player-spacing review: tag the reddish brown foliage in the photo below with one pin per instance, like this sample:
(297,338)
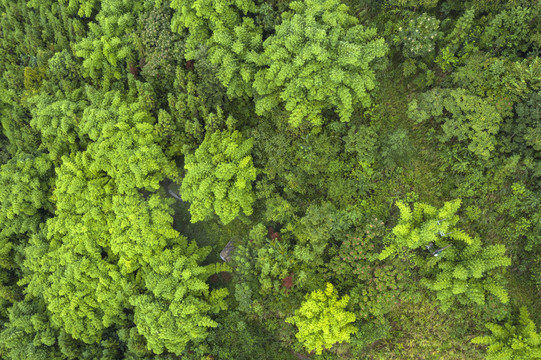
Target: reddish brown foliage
(223,276)
(288,281)
(134,71)
(273,234)
(189,64)
(226,276)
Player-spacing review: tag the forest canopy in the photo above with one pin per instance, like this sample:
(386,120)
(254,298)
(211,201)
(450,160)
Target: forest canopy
(308,179)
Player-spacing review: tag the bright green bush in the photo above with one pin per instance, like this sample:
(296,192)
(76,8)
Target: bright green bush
(322,320)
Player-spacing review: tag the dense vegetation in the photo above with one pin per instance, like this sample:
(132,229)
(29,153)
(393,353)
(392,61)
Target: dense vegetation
(376,165)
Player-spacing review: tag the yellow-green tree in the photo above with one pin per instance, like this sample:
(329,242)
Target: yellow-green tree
(322,320)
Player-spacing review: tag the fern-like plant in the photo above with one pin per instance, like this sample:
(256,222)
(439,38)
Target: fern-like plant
(512,341)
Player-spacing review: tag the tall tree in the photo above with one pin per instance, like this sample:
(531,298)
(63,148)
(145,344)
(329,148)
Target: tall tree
(472,119)
(177,306)
(319,58)
(219,177)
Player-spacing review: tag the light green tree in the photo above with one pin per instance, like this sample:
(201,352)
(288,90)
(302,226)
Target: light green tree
(110,44)
(219,177)
(513,341)
(83,8)
(228,29)
(319,58)
(322,320)
(423,225)
(177,307)
(56,120)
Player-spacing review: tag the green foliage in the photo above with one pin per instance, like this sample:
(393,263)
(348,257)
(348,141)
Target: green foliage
(30,334)
(467,274)
(361,141)
(314,231)
(203,16)
(110,45)
(236,51)
(331,165)
(322,320)
(198,100)
(33,78)
(232,37)
(219,177)
(298,59)
(24,204)
(103,103)
(263,261)
(509,31)
(24,192)
(514,340)
(64,74)
(413,3)
(462,270)
(375,287)
(238,338)
(526,125)
(396,149)
(419,36)
(424,225)
(84,8)
(162,49)
(460,42)
(177,307)
(56,119)
(463,116)
(369,333)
